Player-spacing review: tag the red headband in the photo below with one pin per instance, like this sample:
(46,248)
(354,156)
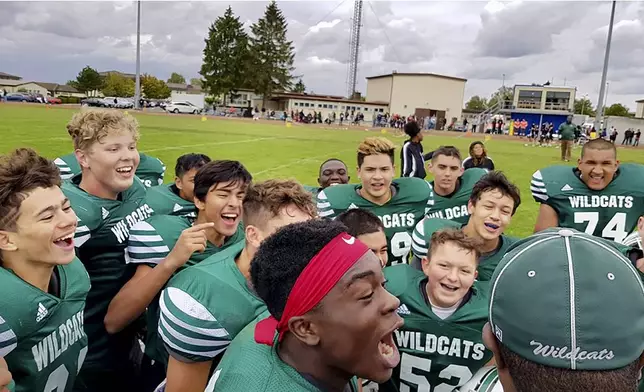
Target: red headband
(316,280)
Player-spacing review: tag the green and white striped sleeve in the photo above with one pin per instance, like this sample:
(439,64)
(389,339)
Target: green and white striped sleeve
(63,167)
(419,242)
(145,245)
(8,339)
(538,188)
(325,210)
(430,198)
(82,234)
(191,333)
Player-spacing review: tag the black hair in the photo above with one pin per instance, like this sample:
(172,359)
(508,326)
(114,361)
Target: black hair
(412,129)
(496,180)
(216,172)
(360,221)
(331,160)
(276,266)
(187,162)
(598,144)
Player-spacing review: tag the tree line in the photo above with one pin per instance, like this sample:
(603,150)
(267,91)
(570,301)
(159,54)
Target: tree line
(581,106)
(260,60)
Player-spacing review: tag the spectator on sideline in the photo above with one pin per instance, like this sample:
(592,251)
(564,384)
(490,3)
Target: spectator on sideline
(411,155)
(566,137)
(478,157)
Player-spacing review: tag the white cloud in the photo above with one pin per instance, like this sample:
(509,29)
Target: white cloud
(528,41)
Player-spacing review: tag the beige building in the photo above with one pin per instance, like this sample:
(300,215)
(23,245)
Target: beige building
(639,110)
(325,104)
(420,94)
(49,89)
(8,82)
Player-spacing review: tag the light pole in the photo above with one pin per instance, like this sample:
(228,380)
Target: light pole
(600,101)
(137,86)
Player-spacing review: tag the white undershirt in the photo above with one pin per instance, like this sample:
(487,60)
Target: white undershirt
(443,313)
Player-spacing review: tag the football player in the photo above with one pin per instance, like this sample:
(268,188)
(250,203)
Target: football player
(548,328)
(452,186)
(178,198)
(219,288)
(368,228)
(321,332)
(399,203)
(108,200)
(42,284)
(150,170)
(493,202)
(332,172)
(164,244)
(599,196)
(445,309)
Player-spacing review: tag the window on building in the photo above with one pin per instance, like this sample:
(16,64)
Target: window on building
(306,105)
(557,100)
(529,99)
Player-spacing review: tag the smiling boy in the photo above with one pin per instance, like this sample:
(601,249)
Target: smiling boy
(600,196)
(108,199)
(493,202)
(42,283)
(445,310)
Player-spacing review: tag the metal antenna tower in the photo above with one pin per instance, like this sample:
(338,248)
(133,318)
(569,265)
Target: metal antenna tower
(354,48)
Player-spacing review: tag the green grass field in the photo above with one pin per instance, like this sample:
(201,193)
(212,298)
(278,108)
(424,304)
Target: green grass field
(271,150)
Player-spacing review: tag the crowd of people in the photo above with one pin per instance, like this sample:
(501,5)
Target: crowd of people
(114,281)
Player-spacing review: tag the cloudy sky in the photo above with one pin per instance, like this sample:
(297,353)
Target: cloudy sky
(528,41)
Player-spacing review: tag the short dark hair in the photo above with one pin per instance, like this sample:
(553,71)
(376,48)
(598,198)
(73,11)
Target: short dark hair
(282,257)
(455,236)
(360,221)
(22,171)
(216,172)
(448,151)
(598,144)
(529,376)
(496,180)
(412,129)
(187,162)
(264,200)
(331,160)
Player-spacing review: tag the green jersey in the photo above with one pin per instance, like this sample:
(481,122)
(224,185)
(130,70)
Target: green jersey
(101,239)
(454,206)
(165,200)
(205,306)
(249,366)
(487,262)
(41,335)
(436,354)
(611,213)
(411,199)
(150,242)
(150,171)
(313,189)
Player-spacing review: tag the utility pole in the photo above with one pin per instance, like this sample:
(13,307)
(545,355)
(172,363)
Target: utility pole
(137,86)
(603,87)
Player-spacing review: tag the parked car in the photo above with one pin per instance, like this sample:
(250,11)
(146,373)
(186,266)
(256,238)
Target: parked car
(95,102)
(124,103)
(54,101)
(19,97)
(181,107)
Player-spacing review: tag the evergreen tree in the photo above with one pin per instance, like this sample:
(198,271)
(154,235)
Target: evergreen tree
(299,87)
(273,54)
(226,57)
(88,79)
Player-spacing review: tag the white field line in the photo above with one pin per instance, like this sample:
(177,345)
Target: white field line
(209,144)
(300,161)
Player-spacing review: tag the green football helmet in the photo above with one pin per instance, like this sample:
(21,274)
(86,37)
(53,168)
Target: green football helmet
(485,380)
